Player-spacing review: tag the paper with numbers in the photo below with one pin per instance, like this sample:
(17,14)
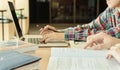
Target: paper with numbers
(80,59)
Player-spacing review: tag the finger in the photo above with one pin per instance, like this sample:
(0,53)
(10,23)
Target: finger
(48,39)
(88,44)
(109,56)
(43,39)
(46,28)
(97,46)
(89,41)
(44,33)
(51,28)
(41,29)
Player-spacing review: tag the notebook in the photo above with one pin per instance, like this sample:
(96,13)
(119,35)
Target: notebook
(13,60)
(30,38)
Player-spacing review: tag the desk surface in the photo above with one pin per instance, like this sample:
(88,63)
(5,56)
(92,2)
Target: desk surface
(44,53)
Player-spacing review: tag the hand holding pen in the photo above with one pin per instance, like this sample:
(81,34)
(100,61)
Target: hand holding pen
(50,33)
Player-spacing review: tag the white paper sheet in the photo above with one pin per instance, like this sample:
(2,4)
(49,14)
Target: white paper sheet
(80,59)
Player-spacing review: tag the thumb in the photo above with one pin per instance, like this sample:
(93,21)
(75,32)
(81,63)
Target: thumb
(109,54)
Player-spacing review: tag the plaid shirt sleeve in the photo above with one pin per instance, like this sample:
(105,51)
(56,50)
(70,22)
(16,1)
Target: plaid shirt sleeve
(115,31)
(104,22)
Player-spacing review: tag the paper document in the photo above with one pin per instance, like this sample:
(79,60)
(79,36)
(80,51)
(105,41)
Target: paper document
(80,59)
(10,43)
(21,47)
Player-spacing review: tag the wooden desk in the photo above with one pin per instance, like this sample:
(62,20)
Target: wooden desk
(44,53)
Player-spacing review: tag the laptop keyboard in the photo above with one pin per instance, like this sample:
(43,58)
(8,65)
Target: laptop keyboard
(34,40)
(53,43)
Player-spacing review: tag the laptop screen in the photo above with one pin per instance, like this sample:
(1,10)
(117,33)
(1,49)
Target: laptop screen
(15,19)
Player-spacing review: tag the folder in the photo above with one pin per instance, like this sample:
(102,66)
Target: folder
(13,60)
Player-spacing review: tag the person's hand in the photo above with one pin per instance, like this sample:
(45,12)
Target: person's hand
(114,52)
(52,36)
(101,41)
(47,29)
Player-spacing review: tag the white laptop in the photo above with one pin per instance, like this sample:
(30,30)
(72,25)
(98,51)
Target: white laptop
(31,38)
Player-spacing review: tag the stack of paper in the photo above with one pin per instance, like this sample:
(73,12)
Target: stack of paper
(20,46)
(80,59)
(13,60)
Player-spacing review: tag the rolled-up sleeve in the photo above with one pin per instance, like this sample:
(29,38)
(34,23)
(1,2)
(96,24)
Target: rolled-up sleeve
(115,31)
